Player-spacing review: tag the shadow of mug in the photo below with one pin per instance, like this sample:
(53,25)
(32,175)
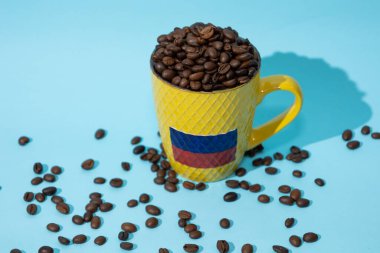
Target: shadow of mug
(332,102)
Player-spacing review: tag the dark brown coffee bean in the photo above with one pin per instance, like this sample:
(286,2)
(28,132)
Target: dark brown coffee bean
(188,185)
(191,248)
(63,240)
(100,240)
(170,187)
(56,170)
(284,189)
(99,134)
(255,188)
(375,136)
(53,227)
(49,191)
(63,208)
(280,249)
(159,180)
(159,67)
(163,250)
(295,194)
(247,248)
(209,66)
(289,222)
(116,182)
(353,144)
(78,220)
(46,249)
(182,223)
(106,207)
(225,223)
(190,228)
(240,172)
(286,200)
(144,198)
(15,251)
(295,150)
(136,140)
(126,245)
(23,140)
(297,173)
(126,166)
(57,199)
(91,207)
(224,68)
(151,222)
(195,235)
(319,182)
(123,236)
(257,162)
(271,170)
(347,135)
(96,202)
(200,186)
(305,154)
(49,178)
(36,181)
(96,222)
(263,198)
(40,197)
(168,61)
(366,130)
(165,165)
(230,197)
(278,156)
(153,210)
(132,203)
(303,202)
(267,161)
(222,246)
(168,74)
(31,209)
(87,217)
(295,240)
(185,215)
(99,180)
(138,149)
(38,168)
(28,196)
(88,164)
(129,227)
(244,185)
(232,184)
(310,237)
(80,239)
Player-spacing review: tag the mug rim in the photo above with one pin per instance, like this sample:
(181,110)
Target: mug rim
(206,92)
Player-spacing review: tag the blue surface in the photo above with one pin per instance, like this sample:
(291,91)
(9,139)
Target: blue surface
(70,67)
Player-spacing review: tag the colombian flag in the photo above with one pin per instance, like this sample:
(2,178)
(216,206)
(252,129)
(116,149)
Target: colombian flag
(203,151)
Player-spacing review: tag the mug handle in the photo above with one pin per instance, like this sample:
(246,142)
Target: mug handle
(268,85)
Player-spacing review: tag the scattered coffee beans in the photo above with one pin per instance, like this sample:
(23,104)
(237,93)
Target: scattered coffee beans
(23,140)
(225,223)
(170,187)
(201,186)
(190,228)
(163,250)
(319,182)
(63,240)
(289,222)
(53,227)
(263,198)
(191,248)
(295,240)
(244,185)
(138,149)
(106,207)
(88,164)
(195,234)
(153,210)
(271,170)
(295,194)
(136,140)
(286,200)
(232,184)
(15,251)
(79,239)
(376,135)
(100,240)
(222,246)
(280,249)
(278,156)
(56,199)
(310,237)
(99,134)
(230,197)
(185,215)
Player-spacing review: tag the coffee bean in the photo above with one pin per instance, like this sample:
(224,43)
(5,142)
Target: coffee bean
(310,237)
(57,199)
(182,223)
(31,209)
(295,150)
(87,217)
(99,134)
(168,74)
(159,180)
(88,164)
(271,170)
(255,188)
(170,187)
(222,246)
(200,186)
(232,184)
(225,223)
(63,208)
(49,191)
(100,240)
(91,207)
(247,248)
(319,182)
(126,166)
(129,227)
(305,154)
(116,182)
(56,170)
(40,197)
(153,210)
(267,161)
(53,227)
(76,219)
(132,203)
(136,140)
(15,251)
(347,135)
(99,180)
(106,207)
(295,240)
(286,200)
(46,249)
(63,240)
(95,195)
(151,222)
(185,215)
(23,140)
(280,249)
(303,202)
(96,222)
(190,228)
(353,144)
(28,196)
(376,135)
(284,189)
(365,130)
(244,185)
(240,172)
(188,185)
(123,236)
(191,248)
(163,250)
(278,156)
(144,198)
(263,198)
(295,194)
(297,173)
(230,197)
(126,245)
(80,239)
(36,181)
(38,168)
(195,234)
(289,222)
(49,178)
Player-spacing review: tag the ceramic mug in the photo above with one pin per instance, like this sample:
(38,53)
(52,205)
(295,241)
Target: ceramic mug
(205,134)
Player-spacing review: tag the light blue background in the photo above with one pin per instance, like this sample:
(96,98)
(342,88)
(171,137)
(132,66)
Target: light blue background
(70,67)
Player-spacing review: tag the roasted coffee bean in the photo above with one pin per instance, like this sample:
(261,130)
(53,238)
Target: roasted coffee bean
(185,215)
(244,185)
(232,184)
(347,135)
(159,180)
(366,130)
(129,227)
(263,198)
(88,164)
(230,197)
(46,249)
(163,250)
(56,170)
(305,154)
(144,198)
(23,140)
(100,133)
(222,246)
(195,234)
(99,180)
(132,203)
(106,207)
(271,170)
(154,167)
(188,185)
(38,168)
(190,228)
(57,199)
(63,240)
(96,222)
(126,245)
(126,166)
(53,227)
(123,236)
(289,222)
(49,178)
(375,136)
(240,172)
(36,181)
(319,182)
(100,240)
(151,222)
(280,249)
(191,248)
(153,210)
(267,161)
(63,208)
(87,217)
(225,223)
(182,223)
(255,188)
(310,237)
(295,241)
(247,248)
(97,202)
(40,197)
(170,187)
(295,194)
(200,186)
(284,189)
(297,173)
(49,191)
(303,202)
(278,156)
(116,182)
(91,207)
(165,165)
(138,149)
(15,251)
(28,196)
(286,200)
(353,144)
(136,140)
(31,209)
(80,239)
(76,219)
(295,150)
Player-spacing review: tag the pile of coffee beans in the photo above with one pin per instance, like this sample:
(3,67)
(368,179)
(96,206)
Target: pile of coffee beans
(205,57)
(347,136)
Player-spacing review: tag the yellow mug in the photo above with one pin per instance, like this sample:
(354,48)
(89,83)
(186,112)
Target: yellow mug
(205,134)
